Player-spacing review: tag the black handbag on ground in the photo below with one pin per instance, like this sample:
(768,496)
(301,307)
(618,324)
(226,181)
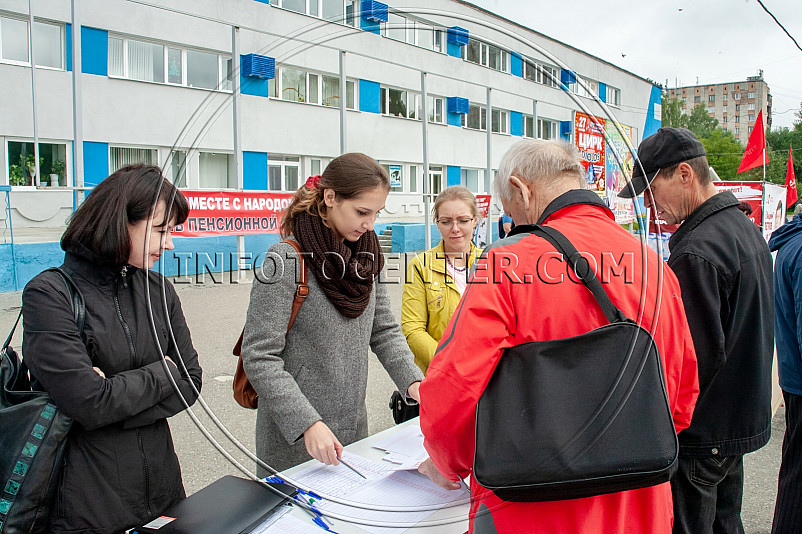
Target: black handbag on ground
(576,417)
(33,438)
(401,410)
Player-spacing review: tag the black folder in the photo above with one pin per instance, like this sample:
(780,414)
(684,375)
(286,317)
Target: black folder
(230,505)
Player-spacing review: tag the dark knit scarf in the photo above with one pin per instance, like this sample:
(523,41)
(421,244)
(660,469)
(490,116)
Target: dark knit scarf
(344,270)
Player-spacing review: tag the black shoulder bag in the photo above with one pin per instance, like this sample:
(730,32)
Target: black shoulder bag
(33,437)
(576,417)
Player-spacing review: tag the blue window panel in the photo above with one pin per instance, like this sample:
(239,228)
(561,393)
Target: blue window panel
(94,51)
(369,96)
(653,120)
(566,128)
(254,171)
(456,104)
(96,162)
(453,175)
(603,92)
(567,77)
(516,123)
(256,66)
(374,11)
(68,51)
(370,26)
(516,64)
(458,36)
(453,119)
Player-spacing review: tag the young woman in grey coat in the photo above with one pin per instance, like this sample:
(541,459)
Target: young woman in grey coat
(312,380)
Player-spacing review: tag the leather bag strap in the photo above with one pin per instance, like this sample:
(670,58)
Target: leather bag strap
(581,267)
(302,291)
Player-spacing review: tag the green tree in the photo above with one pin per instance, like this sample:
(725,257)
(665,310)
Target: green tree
(672,113)
(700,123)
(724,153)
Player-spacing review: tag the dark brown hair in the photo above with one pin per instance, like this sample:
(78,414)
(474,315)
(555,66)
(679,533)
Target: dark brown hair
(128,196)
(348,175)
(699,165)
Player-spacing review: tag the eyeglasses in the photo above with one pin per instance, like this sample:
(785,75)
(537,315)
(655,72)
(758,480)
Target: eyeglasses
(462,223)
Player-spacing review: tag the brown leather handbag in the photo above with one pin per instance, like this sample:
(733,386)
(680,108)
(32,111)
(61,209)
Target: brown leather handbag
(244,393)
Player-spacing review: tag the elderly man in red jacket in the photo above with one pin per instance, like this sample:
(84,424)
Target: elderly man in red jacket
(541,182)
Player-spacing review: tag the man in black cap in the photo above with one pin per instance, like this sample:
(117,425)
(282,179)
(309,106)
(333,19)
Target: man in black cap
(725,272)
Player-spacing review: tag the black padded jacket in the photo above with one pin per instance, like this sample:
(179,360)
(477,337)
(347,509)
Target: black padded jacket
(120,467)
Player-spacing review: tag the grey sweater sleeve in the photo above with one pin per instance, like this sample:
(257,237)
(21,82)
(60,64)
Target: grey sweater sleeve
(269,311)
(389,344)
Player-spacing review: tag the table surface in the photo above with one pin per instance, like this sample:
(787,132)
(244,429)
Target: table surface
(458,514)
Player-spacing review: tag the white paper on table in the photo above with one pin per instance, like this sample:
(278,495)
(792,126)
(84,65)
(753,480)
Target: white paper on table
(288,524)
(404,449)
(384,486)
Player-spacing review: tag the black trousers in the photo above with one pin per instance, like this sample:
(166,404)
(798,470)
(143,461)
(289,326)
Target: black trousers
(788,509)
(708,493)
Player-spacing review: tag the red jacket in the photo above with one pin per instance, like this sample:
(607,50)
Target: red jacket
(496,313)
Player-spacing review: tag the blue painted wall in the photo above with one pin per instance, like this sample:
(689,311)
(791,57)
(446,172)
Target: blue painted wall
(31,259)
(254,171)
(369,96)
(516,123)
(603,92)
(408,237)
(516,64)
(453,175)
(96,162)
(652,123)
(68,50)
(94,51)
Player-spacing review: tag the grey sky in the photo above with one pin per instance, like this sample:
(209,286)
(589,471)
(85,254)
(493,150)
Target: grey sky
(679,40)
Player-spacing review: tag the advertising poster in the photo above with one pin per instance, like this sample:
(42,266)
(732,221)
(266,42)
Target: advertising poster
(589,139)
(749,192)
(232,213)
(774,198)
(483,203)
(616,176)
(395,176)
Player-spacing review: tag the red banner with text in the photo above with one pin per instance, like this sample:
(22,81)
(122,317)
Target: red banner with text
(232,213)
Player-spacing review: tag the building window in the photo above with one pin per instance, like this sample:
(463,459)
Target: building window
(178,167)
(724,96)
(751,118)
(724,108)
(434,104)
(529,126)
(413,31)
(435,181)
(119,157)
(711,98)
(750,106)
(396,173)
(737,118)
(48,42)
(751,94)
(614,96)
(309,87)
(737,96)
(331,10)
(546,129)
(22,163)
(283,172)
(498,120)
(750,129)
(413,178)
(476,119)
(154,62)
(697,99)
(473,179)
(737,107)
(724,120)
(737,131)
(589,89)
(216,171)
(486,55)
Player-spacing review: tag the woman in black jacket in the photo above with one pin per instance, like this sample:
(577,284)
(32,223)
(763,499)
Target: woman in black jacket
(120,467)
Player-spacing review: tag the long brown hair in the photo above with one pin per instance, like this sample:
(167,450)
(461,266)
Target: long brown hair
(128,196)
(348,175)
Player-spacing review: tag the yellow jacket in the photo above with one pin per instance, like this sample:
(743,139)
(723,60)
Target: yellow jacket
(429,300)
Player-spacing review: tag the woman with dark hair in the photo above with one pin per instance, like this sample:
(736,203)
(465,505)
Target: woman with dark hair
(312,380)
(115,379)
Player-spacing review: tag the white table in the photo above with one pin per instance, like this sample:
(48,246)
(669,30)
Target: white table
(456,514)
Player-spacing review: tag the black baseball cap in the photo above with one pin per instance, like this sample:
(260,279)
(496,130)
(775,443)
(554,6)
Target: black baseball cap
(663,149)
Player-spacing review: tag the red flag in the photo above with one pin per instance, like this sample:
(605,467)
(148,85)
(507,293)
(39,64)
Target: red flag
(755,153)
(790,181)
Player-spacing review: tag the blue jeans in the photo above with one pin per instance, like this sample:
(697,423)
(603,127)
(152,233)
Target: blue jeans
(707,495)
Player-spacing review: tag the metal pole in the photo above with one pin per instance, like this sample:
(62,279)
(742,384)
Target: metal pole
(77,109)
(36,180)
(237,141)
(489,169)
(427,233)
(343,104)
(534,120)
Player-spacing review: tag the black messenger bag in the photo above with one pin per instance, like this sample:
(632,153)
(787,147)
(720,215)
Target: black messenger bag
(576,417)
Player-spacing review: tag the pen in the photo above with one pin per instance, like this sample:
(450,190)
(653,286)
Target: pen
(346,464)
(318,512)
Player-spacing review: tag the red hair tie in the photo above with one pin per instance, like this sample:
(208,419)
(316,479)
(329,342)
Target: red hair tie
(313,181)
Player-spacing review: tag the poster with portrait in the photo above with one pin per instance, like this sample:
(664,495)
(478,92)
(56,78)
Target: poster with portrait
(619,163)
(774,198)
(480,237)
(589,140)
(395,176)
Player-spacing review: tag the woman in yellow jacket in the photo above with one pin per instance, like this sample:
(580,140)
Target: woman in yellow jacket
(436,278)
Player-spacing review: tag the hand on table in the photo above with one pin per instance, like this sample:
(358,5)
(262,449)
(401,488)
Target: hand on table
(427,468)
(322,444)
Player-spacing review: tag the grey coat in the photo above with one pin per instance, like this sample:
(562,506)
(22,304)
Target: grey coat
(320,370)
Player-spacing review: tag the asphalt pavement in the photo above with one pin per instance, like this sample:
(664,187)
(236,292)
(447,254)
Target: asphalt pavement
(215,309)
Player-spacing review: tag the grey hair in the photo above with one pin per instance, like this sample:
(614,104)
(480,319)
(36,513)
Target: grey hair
(547,162)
